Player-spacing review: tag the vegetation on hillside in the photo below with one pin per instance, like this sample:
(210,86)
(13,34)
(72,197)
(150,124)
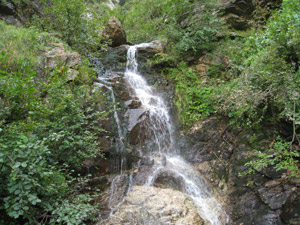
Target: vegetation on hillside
(47,128)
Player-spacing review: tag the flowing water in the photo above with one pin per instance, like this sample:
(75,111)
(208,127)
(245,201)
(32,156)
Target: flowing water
(164,154)
(166,157)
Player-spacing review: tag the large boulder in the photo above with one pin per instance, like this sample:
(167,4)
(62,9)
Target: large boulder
(150,205)
(114,31)
(155,47)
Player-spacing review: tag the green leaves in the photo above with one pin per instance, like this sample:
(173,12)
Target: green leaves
(280,157)
(42,138)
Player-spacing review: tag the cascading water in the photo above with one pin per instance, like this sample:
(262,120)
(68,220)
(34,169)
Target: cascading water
(165,155)
(160,127)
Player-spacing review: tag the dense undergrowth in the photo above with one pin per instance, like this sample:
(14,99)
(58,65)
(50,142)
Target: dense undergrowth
(48,127)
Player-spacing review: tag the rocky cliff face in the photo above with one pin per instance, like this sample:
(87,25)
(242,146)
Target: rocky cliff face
(220,154)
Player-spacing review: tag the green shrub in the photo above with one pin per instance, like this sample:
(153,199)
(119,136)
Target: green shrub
(47,128)
(266,86)
(280,157)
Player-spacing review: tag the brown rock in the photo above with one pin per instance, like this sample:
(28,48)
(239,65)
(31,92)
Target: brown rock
(272,183)
(238,13)
(115,32)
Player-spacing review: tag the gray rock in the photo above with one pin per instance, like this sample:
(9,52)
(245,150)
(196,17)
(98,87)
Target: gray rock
(119,188)
(276,196)
(155,47)
(291,210)
(150,205)
(133,103)
(57,56)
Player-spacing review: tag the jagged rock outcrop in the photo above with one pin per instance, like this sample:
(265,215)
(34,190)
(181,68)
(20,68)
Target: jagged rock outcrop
(137,125)
(150,205)
(114,31)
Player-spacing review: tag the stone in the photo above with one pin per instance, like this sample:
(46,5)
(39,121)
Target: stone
(154,48)
(204,168)
(272,183)
(58,56)
(291,211)
(150,205)
(134,103)
(114,31)
(119,188)
(238,13)
(137,120)
(276,196)
(95,166)
(169,179)
(72,74)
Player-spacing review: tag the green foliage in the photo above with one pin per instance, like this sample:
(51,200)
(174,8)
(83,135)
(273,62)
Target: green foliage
(266,86)
(280,157)
(23,44)
(75,21)
(47,128)
(192,98)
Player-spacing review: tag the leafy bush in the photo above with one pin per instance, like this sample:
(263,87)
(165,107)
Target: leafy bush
(77,22)
(267,82)
(47,128)
(280,157)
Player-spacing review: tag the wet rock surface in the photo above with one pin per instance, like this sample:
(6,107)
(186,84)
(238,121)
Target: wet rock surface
(150,205)
(137,125)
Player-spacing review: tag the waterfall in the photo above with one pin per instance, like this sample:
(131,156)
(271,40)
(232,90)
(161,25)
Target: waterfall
(160,127)
(165,155)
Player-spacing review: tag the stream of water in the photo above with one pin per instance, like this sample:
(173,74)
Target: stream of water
(169,160)
(164,154)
